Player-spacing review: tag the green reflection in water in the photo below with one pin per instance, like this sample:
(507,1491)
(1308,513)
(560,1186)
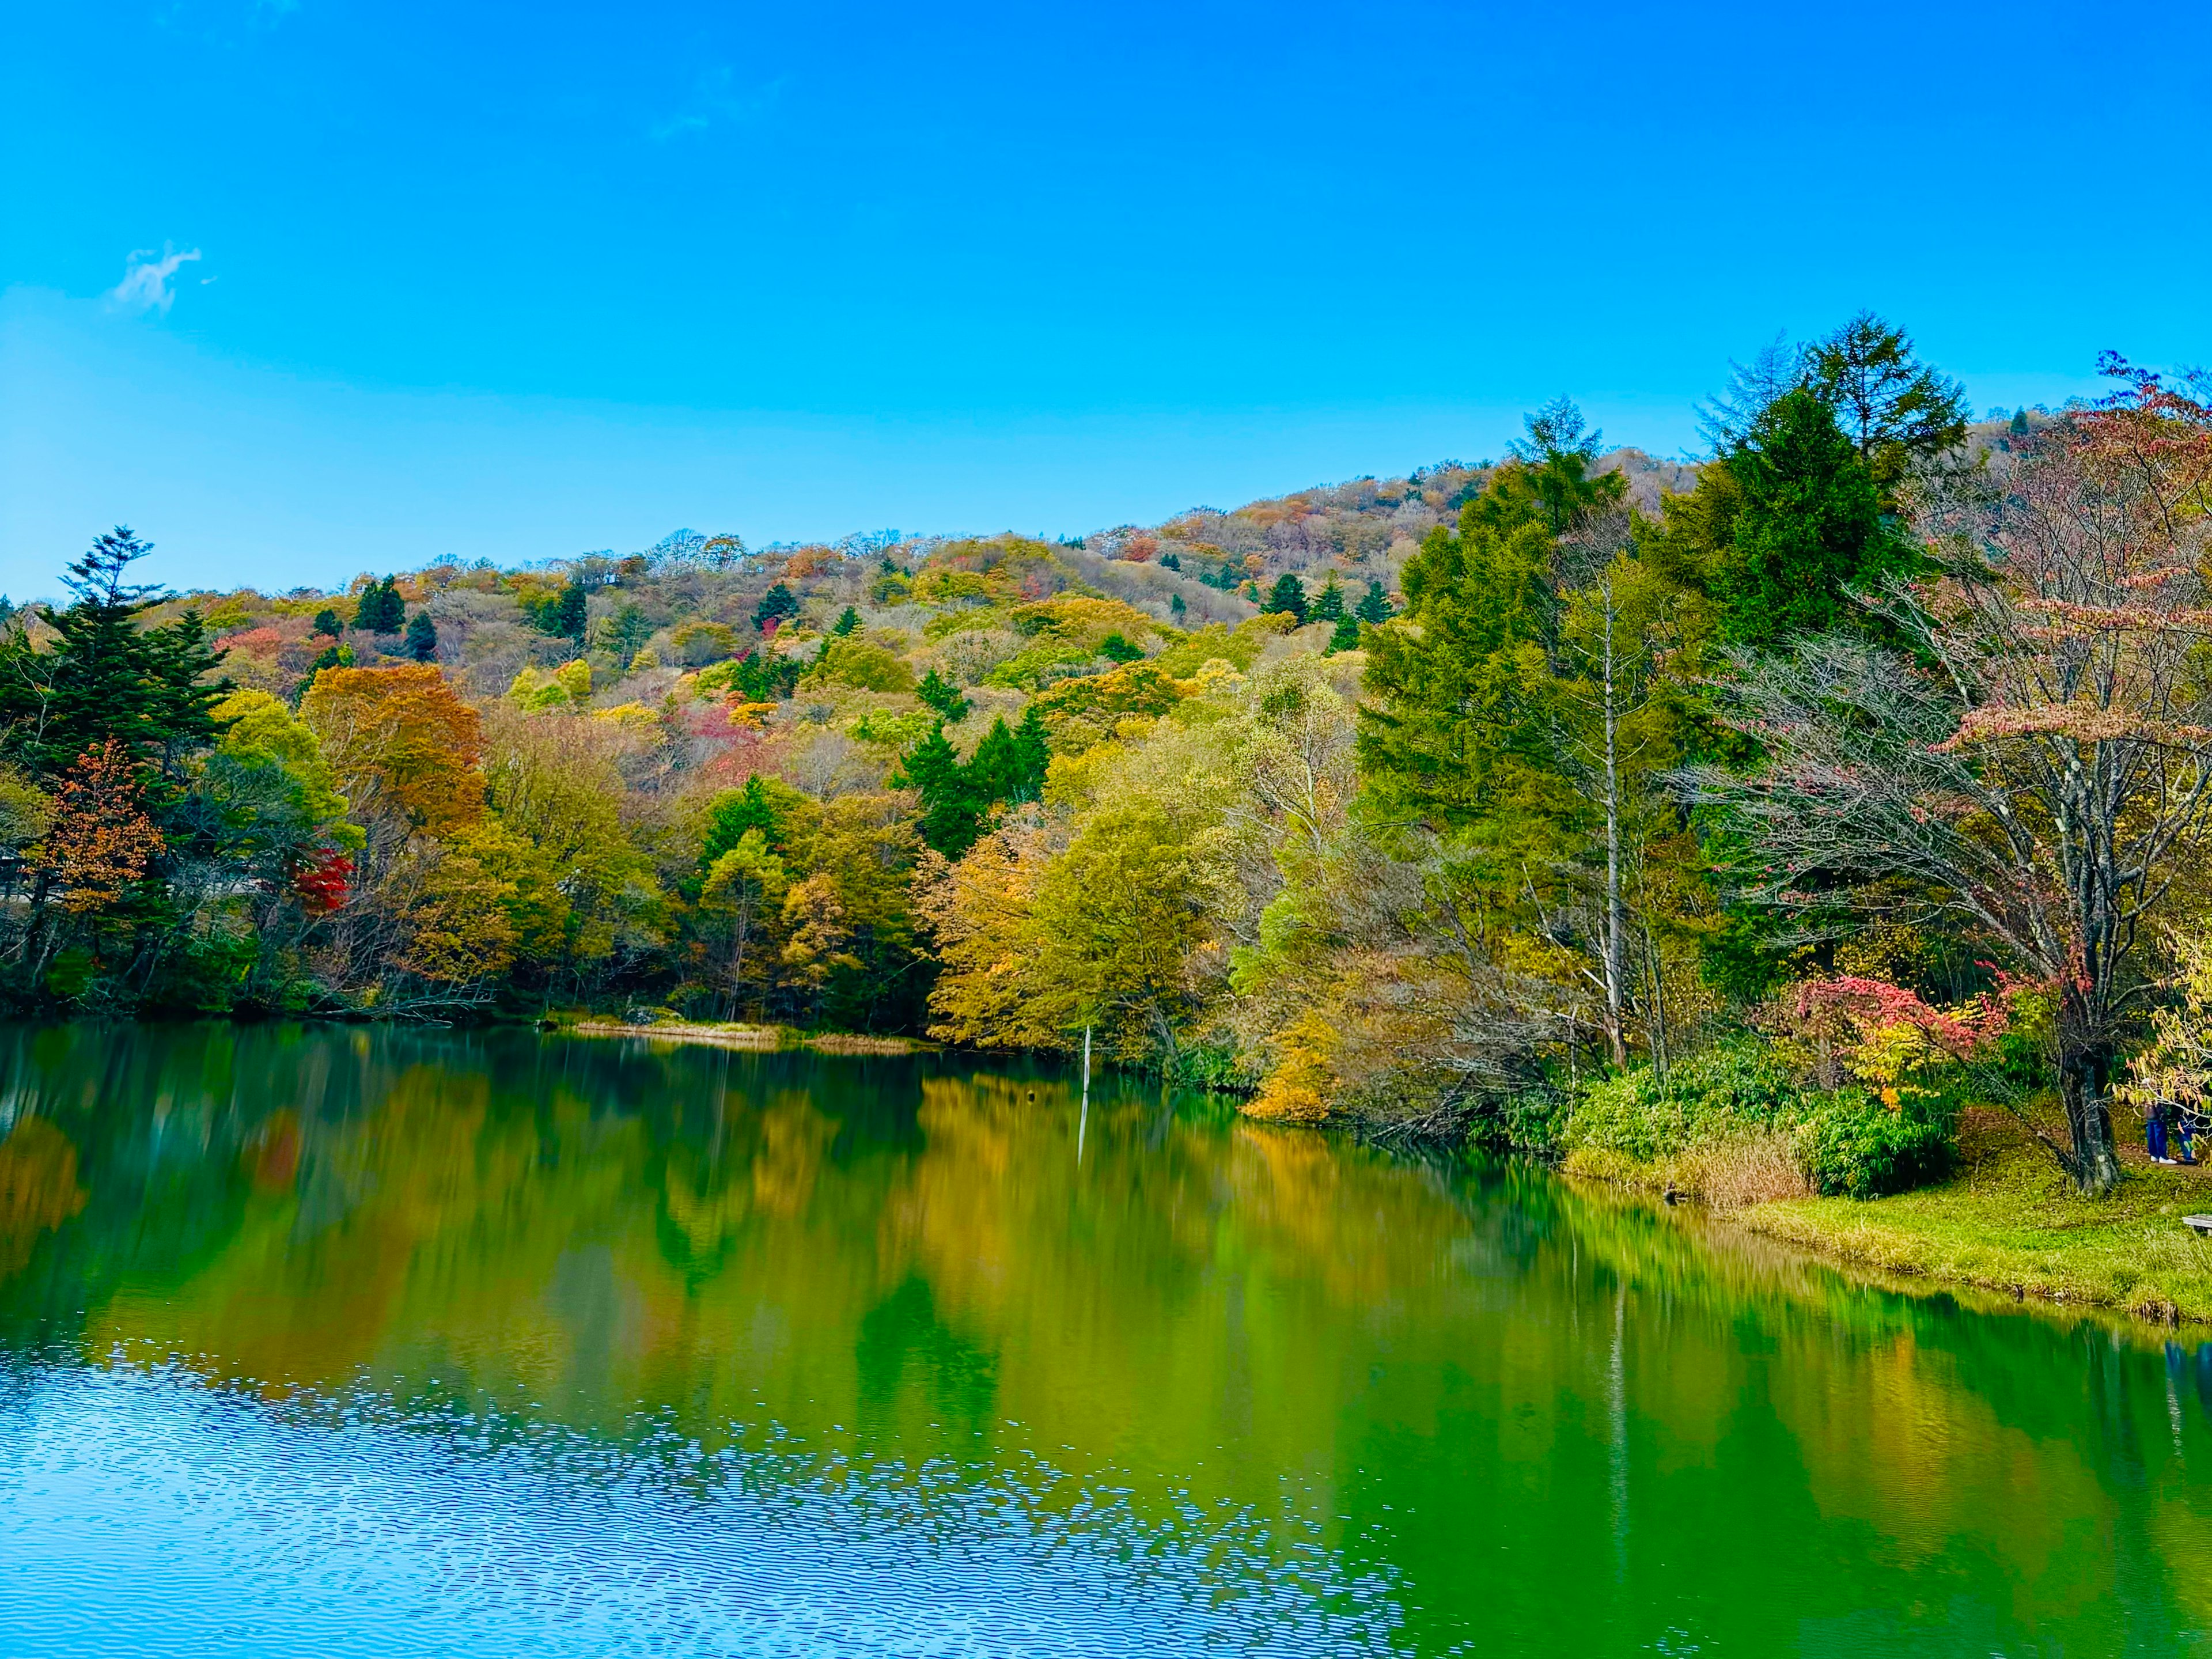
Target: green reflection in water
(1545,1421)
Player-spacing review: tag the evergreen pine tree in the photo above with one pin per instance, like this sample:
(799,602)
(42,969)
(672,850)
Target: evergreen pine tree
(1374,607)
(995,773)
(422,638)
(736,814)
(940,693)
(1345,636)
(327,622)
(2019,428)
(950,817)
(1811,527)
(571,613)
(1329,607)
(1032,755)
(847,623)
(334,656)
(776,606)
(1114,648)
(152,690)
(380,609)
(1288,595)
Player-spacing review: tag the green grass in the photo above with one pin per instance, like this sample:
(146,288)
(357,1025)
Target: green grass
(2009,1221)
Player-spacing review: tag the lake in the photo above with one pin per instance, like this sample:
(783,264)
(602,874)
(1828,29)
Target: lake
(331,1340)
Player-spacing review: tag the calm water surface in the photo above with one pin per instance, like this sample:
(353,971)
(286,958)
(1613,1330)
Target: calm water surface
(329,1341)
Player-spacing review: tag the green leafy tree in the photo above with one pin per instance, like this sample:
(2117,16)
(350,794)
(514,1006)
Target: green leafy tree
(765,806)
(743,890)
(1114,648)
(1008,764)
(627,630)
(423,637)
(763,677)
(332,656)
(1288,595)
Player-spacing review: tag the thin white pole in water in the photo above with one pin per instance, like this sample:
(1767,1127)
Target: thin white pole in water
(1083,1122)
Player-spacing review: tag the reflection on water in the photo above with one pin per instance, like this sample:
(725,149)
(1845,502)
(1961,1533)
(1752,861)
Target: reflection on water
(324,1340)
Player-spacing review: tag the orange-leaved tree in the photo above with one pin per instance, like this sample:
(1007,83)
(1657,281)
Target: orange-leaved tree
(102,839)
(404,746)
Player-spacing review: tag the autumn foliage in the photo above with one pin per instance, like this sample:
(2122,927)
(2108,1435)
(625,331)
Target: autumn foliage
(102,840)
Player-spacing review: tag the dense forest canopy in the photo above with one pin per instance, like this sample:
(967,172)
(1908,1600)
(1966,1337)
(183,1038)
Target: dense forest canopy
(1878,734)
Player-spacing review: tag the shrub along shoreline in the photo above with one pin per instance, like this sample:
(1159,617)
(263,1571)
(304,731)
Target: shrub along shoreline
(2000,1215)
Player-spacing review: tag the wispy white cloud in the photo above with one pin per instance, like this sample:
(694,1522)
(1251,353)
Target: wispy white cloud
(147,278)
(715,101)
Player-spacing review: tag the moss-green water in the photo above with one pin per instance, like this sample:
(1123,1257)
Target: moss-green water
(323,1339)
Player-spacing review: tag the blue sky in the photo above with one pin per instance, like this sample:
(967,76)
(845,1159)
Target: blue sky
(307,288)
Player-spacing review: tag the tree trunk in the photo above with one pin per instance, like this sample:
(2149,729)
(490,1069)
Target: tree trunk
(1616,913)
(2094,1163)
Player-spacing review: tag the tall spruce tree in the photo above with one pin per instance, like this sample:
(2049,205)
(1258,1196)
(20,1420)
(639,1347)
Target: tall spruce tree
(951,816)
(380,609)
(1288,595)
(152,690)
(1808,527)
(571,612)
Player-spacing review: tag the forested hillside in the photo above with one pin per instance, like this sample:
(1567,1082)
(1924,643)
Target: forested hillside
(1869,757)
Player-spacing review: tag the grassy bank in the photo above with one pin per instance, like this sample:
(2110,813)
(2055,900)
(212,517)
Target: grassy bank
(2009,1221)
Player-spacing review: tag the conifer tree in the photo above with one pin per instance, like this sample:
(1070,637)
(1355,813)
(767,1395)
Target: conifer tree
(847,623)
(1329,607)
(1288,595)
(572,612)
(940,693)
(736,814)
(1810,528)
(776,606)
(423,637)
(1032,756)
(152,690)
(327,622)
(1374,607)
(950,818)
(380,609)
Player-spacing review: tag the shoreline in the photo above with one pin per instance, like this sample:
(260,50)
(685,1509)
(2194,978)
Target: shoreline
(2006,1225)
(757,1039)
